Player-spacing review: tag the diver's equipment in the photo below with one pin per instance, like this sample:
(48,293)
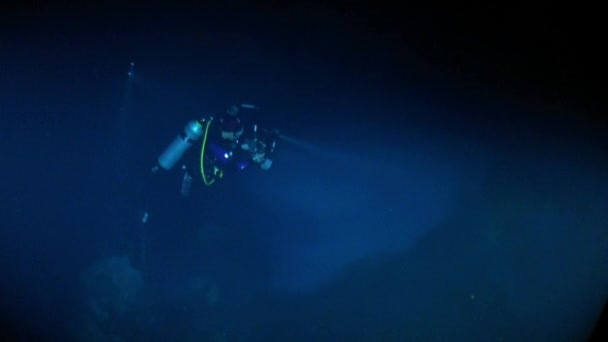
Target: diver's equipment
(242,164)
(186,183)
(174,152)
(259,148)
(266,164)
(214,157)
(220,153)
(217,173)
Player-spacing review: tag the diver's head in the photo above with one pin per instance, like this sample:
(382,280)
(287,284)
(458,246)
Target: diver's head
(233,110)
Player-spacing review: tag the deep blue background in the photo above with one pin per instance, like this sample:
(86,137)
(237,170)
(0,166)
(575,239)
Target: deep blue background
(451,161)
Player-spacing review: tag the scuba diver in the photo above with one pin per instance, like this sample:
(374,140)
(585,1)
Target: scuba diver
(228,145)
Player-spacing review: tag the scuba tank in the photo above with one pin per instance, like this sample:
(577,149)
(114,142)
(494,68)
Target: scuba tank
(174,152)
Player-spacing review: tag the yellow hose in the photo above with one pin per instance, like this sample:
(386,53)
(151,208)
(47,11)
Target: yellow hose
(205,180)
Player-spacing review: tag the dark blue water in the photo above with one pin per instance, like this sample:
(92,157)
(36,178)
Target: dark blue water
(441,175)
